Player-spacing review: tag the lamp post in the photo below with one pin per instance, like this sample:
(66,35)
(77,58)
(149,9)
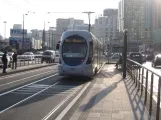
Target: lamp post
(89,13)
(44,37)
(5,29)
(23,31)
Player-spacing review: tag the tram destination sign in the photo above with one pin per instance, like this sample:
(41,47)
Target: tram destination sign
(74,41)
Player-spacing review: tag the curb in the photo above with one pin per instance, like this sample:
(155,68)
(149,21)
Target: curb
(18,71)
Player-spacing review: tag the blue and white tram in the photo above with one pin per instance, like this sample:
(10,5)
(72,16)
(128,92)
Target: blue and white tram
(80,54)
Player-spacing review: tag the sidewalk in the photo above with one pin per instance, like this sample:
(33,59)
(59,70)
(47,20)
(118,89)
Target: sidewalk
(111,98)
(24,68)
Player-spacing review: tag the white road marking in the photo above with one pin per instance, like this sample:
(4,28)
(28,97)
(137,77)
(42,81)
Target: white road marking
(27,98)
(62,114)
(27,85)
(59,105)
(24,78)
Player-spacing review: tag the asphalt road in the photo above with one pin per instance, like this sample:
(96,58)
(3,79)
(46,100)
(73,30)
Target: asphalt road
(14,80)
(34,95)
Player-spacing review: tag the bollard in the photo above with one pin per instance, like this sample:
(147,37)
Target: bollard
(142,81)
(151,94)
(125,53)
(158,100)
(146,87)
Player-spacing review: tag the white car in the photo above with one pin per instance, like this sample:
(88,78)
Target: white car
(48,56)
(115,57)
(27,56)
(8,58)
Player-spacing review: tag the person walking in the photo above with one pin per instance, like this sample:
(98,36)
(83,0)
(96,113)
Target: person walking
(14,61)
(4,60)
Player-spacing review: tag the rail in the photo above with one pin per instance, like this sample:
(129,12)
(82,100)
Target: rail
(149,83)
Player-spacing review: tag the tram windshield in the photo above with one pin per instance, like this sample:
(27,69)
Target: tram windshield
(74,50)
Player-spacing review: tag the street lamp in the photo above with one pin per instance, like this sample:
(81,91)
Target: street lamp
(23,30)
(44,37)
(89,13)
(5,29)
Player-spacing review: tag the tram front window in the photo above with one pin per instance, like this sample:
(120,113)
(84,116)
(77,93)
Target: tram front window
(74,53)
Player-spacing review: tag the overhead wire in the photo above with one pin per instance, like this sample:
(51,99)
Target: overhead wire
(13,5)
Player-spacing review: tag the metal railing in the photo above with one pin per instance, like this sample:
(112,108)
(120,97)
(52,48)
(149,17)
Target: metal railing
(149,83)
(26,61)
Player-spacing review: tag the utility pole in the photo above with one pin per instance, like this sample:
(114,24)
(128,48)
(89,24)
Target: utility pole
(89,26)
(43,43)
(23,32)
(4,29)
(125,53)
(23,36)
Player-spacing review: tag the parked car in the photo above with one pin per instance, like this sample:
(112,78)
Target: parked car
(156,61)
(57,53)
(38,54)
(8,58)
(115,57)
(27,56)
(143,58)
(135,56)
(150,56)
(48,56)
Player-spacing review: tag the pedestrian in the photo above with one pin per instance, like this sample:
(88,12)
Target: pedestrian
(14,60)
(4,61)
(119,61)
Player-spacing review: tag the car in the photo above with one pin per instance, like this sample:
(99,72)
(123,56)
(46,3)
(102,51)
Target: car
(149,56)
(38,54)
(10,54)
(57,53)
(27,56)
(156,61)
(115,57)
(48,56)
(144,58)
(8,58)
(136,56)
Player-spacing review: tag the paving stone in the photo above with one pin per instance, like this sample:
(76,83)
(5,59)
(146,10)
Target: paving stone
(89,118)
(95,115)
(74,118)
(117,116)
(111,98)
(106,117)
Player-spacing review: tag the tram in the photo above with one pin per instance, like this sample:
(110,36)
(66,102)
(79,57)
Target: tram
(80,54)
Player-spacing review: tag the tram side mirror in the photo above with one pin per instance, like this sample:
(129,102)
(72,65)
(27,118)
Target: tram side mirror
(57,46)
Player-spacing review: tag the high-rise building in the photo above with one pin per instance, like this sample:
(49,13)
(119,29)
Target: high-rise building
(17,26)
(61,26)
(74,23)
(66,24)
(131,16)
(106,26)
(156,24)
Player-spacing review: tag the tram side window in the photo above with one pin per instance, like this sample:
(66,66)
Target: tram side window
(91,49)
(90,58)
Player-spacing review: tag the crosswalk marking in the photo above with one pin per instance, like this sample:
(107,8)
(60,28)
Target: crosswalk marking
(57,89)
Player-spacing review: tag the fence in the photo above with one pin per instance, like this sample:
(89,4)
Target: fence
(149,85)
(26,60)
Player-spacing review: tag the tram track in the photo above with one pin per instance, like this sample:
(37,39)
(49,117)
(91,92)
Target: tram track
(60,93)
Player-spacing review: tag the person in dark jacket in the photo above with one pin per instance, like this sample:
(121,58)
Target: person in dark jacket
(119,62)
(14,60)
(4,60)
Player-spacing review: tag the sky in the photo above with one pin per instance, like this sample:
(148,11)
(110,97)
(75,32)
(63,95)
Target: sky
(12,12)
